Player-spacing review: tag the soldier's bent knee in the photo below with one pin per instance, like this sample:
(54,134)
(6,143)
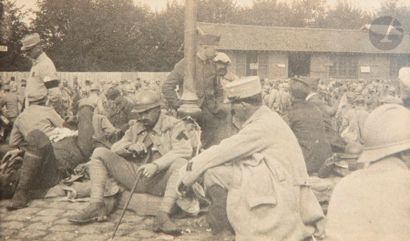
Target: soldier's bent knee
(99,153)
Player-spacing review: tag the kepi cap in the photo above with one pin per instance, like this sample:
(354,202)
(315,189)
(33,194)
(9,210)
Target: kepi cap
(208,39)
(243,88)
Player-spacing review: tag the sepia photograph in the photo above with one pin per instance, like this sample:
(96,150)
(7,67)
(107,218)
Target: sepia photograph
(205,120)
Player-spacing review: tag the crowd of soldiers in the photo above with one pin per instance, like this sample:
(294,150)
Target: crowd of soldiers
(254,157)
(349,101)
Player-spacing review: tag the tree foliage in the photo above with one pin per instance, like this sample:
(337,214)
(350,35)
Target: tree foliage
(344,15)
(89,35)
(117,35)
(12,29)
(401,13)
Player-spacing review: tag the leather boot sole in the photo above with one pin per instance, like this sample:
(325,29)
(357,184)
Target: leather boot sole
(90,220)
(13,208)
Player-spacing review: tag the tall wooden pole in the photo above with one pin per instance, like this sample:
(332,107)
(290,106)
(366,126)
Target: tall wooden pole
(189,98)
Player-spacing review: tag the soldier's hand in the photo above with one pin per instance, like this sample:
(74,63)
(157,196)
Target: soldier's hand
(147,170)
(137,148)
(10,155)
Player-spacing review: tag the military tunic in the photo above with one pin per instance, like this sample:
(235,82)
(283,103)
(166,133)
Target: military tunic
(307,123)
(210,94)
(168,147)
(267,198)
(371,204)
(43,70)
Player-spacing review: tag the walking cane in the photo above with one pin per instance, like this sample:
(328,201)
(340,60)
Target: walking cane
(126,204)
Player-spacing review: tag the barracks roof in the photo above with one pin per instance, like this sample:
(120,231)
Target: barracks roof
(268,38)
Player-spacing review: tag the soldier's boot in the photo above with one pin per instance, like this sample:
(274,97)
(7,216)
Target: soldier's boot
(163,223)
(29,170)
(217,217)
(93,212)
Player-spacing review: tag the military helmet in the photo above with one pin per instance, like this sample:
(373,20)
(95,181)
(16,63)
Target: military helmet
(386,132)
(146,100)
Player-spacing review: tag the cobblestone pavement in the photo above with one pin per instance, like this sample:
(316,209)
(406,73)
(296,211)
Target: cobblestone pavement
(47,220)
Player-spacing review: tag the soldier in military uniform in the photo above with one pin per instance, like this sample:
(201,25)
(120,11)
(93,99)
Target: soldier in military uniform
(208,89)
(48,155)
(222,62)
(117,108)
(306,121)
(263,171)
(373,203)
(43,79)
(155,146)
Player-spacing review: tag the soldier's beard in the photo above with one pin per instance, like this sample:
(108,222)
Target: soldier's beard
(222,72)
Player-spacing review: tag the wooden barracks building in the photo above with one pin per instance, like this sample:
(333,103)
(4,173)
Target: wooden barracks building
(282,52)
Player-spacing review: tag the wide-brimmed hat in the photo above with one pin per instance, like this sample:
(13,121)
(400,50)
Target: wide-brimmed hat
(29,41)
(386,132)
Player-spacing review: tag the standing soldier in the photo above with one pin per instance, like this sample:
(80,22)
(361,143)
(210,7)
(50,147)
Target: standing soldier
(208,90)
(222,62)
(43,74)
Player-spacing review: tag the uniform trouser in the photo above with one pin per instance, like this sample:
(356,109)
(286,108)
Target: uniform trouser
(106,163)
(39,146)
(37,172)
(72,151)
(218,181)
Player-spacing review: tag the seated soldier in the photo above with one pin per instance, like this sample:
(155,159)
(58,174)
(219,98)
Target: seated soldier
(117,109)
(155,147)
(306,121)
(49,151)
(373,203)
(262,170)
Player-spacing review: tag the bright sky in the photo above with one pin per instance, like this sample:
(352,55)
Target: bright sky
(371,5)
(368,5)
